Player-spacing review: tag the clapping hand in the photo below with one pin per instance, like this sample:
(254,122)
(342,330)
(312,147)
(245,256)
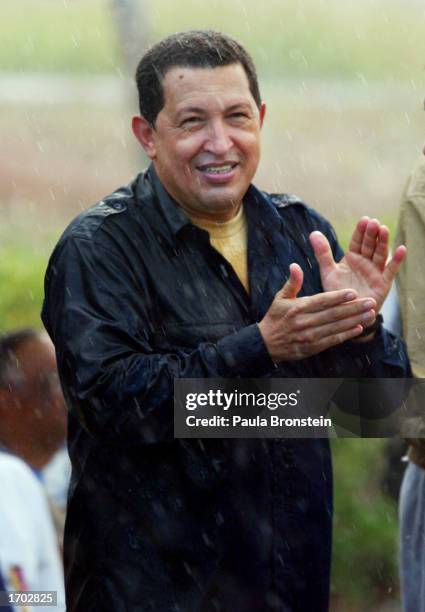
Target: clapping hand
(354,291)
(364,267)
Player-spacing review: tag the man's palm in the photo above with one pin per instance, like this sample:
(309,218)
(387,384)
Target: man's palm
(364,266)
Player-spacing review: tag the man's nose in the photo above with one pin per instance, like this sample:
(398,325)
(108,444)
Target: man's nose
(219,141)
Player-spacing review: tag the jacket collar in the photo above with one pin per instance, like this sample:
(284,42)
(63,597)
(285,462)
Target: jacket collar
(175,217)
(260,211)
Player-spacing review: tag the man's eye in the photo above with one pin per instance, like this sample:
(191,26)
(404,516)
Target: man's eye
(238,116)
(191,122)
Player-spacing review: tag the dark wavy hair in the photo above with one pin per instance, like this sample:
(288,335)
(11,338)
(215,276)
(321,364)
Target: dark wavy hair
(192,49)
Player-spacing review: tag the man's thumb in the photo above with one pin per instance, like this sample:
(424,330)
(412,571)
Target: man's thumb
(294,283)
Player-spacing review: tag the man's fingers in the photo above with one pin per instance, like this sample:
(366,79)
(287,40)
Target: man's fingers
(355,311)
(323,252)
(392,267)
(369,239)
(323,301)
(332,328)
(380,255)
(358,234)
(339,338)
(305,349)
(294,283)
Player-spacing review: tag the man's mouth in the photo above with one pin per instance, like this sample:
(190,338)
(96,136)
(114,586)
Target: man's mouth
(213,169)
(224,171)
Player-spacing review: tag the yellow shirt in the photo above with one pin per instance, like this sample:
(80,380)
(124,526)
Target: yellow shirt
(230,239)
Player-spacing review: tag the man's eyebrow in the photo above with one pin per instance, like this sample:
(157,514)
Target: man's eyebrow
(201,111)
(190,109)
(238,105)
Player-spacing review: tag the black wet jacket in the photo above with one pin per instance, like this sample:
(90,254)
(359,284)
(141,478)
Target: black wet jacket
(135,297)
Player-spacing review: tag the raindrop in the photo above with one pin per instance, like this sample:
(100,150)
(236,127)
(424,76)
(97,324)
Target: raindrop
(187,568)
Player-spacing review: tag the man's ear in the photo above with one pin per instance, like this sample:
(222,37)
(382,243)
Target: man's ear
(262,113)
(144,132)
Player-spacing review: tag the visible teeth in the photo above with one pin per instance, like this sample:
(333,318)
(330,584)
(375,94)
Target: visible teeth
(217,170)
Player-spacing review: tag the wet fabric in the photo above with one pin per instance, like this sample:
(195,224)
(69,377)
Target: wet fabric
(135,297)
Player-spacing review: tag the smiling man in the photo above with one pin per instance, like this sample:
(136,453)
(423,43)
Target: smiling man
(206,139)
(191,271)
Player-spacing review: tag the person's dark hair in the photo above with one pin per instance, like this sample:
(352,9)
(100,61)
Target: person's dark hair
(10,373)
(191,49)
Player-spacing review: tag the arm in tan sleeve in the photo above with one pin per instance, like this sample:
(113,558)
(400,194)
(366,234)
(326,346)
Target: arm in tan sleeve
(411,276)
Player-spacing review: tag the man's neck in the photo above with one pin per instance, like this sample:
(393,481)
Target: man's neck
(214,217)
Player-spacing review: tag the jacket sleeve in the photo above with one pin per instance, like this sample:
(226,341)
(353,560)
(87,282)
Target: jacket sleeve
(96,310)
(411,280)
(411,285)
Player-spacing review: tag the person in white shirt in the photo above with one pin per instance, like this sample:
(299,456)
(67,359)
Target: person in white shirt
(29,555)
(33,414)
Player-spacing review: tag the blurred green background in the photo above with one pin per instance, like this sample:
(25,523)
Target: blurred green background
(344,84)
(370,38)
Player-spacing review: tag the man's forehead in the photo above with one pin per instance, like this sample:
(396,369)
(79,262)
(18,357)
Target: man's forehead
(224,85)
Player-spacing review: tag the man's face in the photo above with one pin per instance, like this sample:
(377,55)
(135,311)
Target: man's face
(41,398)
(206,142)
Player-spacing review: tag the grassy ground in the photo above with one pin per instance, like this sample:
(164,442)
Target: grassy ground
(365,563)
(21,279)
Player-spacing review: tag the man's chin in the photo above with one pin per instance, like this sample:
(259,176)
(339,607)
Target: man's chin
(222,210)
(222,200)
